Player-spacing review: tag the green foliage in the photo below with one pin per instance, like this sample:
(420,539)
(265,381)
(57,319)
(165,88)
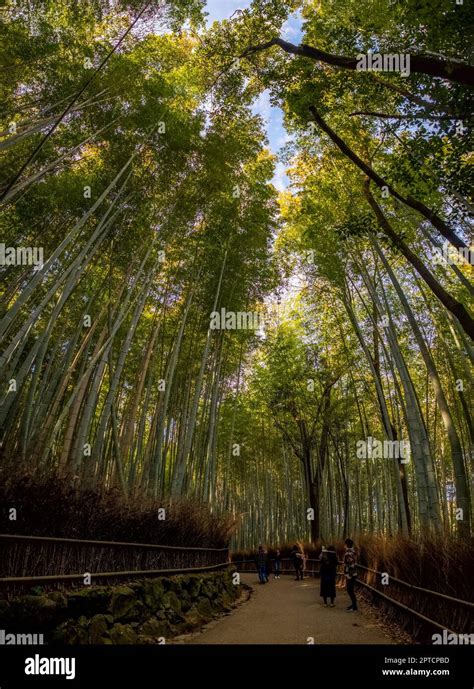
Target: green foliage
(154,204)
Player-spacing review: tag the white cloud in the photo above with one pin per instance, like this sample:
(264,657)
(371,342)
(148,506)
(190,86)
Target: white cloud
(280,179)
(291,29)
(283,139)
(262,106)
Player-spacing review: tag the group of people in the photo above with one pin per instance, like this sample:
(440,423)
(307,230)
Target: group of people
(263,565)
(328,570)
(328,573)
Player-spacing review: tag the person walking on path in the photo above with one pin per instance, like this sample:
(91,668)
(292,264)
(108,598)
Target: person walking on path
(267,565)
(350,571)
(277,564)
(328,572)
(261,560)
(297,557)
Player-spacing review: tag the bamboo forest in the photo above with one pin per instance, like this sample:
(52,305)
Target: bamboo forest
(154,206)
(236,271)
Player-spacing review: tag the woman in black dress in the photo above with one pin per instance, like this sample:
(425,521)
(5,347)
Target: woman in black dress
(328,572)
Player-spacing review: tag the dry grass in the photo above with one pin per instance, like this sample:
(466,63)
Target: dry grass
(440,564)
(49,507)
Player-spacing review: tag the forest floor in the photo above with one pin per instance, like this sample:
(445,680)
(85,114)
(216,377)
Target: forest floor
(286,611)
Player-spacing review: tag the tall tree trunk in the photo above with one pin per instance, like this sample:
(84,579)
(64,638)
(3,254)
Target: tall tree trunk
(460,477)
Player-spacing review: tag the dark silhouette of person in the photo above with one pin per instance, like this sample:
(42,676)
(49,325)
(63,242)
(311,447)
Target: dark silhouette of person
(261,560)
(267,565)
(277,564)
(350,571)
(297,558)
(328,573)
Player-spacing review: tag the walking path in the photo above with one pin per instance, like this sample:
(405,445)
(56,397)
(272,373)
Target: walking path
(286,611)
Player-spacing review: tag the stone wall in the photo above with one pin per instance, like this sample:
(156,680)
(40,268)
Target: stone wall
(148,611)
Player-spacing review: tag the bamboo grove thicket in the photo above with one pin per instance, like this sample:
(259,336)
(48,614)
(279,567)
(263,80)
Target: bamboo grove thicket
(132,157)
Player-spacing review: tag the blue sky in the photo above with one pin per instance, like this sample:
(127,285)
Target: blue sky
(222,9)
(272,116)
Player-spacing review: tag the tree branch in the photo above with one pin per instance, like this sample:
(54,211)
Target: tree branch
(385,116)
(450,70)
(429,214)
(452,304)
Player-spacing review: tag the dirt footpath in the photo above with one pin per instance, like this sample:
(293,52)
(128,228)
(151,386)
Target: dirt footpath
(286,611)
